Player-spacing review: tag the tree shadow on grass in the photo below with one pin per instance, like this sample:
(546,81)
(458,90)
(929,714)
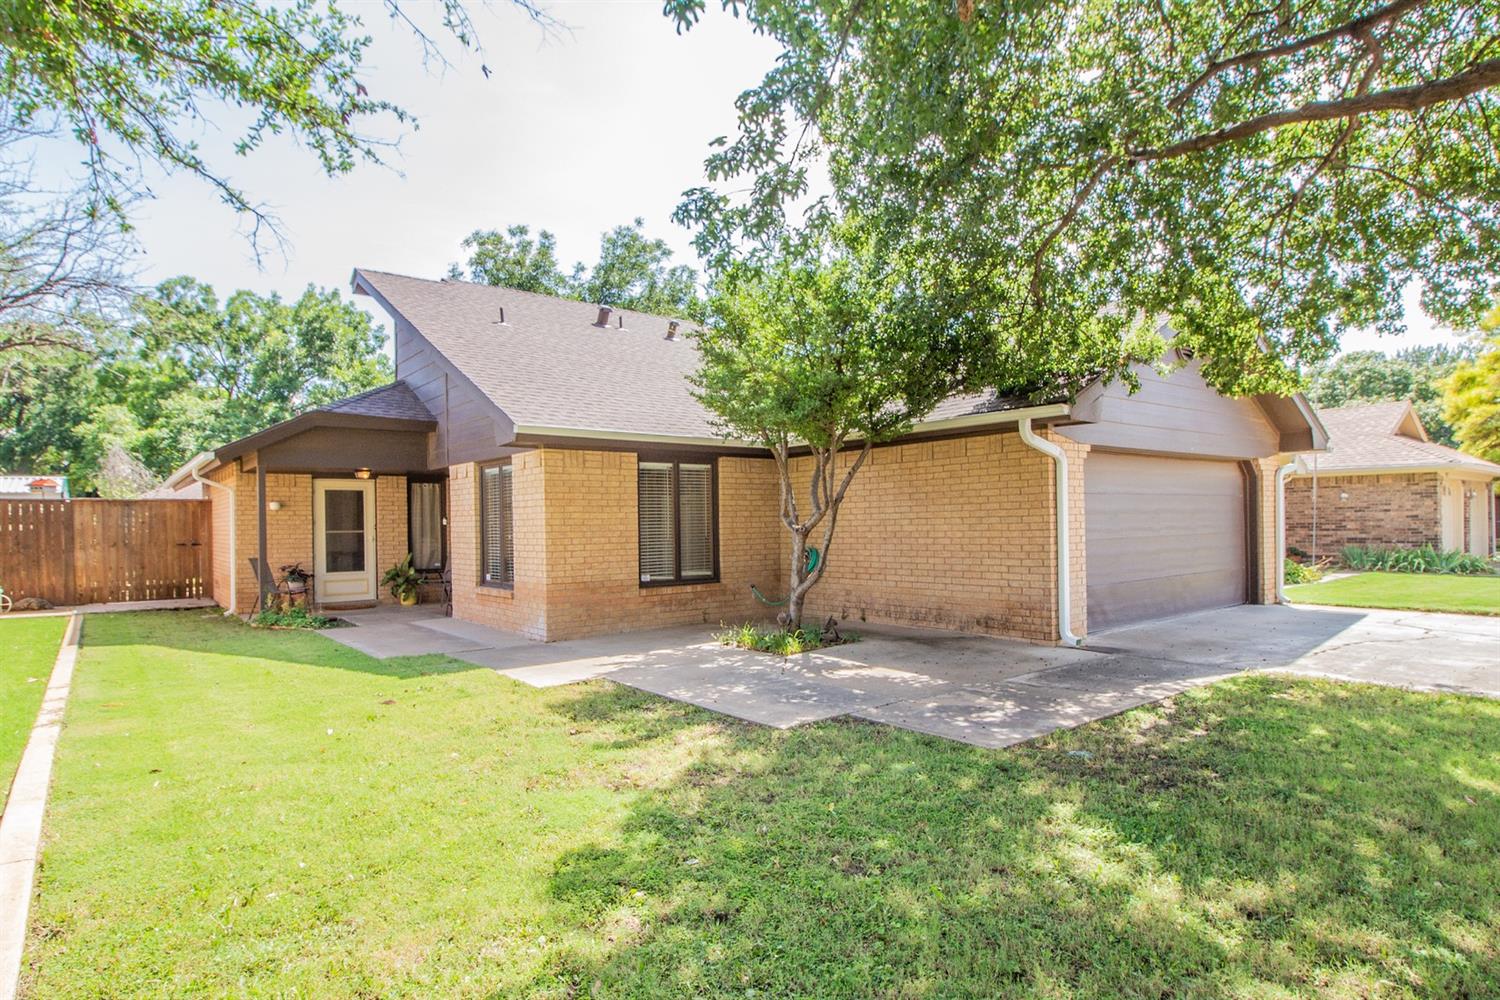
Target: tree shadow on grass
(1264,835)
(209,632)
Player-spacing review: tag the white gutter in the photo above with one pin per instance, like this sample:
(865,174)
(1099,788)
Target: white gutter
(194,468)
(1299,467)
(1064,590)
(993,418)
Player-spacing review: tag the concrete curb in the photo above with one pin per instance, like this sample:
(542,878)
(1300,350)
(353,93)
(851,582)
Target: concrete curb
(21,825)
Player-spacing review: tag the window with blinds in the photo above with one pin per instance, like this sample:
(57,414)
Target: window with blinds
(497,525)
(677,527)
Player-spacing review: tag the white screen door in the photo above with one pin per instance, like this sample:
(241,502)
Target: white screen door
(344,540)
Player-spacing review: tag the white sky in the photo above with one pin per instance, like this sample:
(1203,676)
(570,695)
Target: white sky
(575,133)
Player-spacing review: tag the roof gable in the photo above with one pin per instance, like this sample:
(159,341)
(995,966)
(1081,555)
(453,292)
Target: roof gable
(1388,436)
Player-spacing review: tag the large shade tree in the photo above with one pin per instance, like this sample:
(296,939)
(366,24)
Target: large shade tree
(133,81)
(826,347)
(1268,175)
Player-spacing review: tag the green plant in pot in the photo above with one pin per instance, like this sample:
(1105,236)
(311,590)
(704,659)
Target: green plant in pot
(404,582)
(295,577)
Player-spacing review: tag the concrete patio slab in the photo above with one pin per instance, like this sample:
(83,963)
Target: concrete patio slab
(387,640)
(977,689)
(1417,650)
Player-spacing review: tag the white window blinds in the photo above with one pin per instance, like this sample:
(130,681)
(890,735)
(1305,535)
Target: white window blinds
(695,497)
(497,525)
(676,505)
(658,545)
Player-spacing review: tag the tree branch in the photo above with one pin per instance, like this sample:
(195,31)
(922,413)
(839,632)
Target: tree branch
(1417,97)
(1350,29)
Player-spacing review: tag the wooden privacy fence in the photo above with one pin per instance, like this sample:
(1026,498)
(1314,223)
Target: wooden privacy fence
(99,551)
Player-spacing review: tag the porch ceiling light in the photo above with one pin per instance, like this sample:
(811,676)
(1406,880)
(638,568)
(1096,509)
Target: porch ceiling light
(361,473)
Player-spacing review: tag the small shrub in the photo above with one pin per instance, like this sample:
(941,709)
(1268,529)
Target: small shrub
(781,641)
(1298,573)
(1297,553)
(1426,559)
(296,616)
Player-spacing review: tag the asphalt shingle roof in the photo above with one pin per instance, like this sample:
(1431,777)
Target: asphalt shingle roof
(548,364)
(1364,436)
(395,400)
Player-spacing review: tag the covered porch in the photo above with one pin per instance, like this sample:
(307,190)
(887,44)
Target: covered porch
(341,494)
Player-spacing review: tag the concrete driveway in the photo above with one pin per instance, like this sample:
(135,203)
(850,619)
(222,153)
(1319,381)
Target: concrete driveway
(976,689)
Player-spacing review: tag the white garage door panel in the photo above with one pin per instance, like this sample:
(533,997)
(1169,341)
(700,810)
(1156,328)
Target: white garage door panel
(1165,536)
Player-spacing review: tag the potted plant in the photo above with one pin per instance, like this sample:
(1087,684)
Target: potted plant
(295,577)
(404,582)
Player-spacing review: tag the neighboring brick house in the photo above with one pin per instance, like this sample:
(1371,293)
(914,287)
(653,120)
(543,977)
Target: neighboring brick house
(550,455)
(1383,483)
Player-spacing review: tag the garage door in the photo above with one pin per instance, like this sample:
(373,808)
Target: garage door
(1165,536)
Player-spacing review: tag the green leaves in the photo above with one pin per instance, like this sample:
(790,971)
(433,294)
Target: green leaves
(632,272)
(1265,177)
(1471,397)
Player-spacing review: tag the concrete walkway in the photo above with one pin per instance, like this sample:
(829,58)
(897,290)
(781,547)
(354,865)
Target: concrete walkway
(170,604)
(980,690)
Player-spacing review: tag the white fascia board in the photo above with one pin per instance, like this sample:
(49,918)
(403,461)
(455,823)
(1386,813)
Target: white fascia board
(1400,470)
(998,418)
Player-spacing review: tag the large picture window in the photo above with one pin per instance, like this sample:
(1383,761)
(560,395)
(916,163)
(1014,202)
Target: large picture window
(497,557)
(678,533)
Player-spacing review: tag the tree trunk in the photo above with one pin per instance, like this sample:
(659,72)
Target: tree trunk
(826,494)
(797,594)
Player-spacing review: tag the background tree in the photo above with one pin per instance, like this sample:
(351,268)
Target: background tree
(1267,175)
(61,265)
(133,81)
(186,374)
(513,259)
(632,271)
(1417,373)
(828,347)
(1471,396)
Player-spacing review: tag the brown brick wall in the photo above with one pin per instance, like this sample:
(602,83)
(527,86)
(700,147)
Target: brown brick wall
(1394,510)
(289,531)
(392,536)
(577,572)
(957,533)
(1260,491)
(522,608)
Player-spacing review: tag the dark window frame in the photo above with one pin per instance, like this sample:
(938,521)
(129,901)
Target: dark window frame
(442,482)
(676,460)
(508,523)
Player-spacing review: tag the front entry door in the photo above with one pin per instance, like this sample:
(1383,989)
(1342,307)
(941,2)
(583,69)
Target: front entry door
(343,540)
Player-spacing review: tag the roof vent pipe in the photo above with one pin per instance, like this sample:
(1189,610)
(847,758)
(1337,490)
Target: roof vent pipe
(603,319)
(502,314)
(620,321)
(672,330)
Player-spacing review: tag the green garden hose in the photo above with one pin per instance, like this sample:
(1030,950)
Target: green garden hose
(812,563)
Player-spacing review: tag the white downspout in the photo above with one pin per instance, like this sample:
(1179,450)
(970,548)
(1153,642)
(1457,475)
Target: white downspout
(194,471)
(1298,466)
(1064,590)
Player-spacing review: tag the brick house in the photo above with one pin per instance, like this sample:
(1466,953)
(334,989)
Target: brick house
(549,456)
(1383,483)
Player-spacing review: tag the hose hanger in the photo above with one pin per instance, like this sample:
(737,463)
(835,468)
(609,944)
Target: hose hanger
(813,558)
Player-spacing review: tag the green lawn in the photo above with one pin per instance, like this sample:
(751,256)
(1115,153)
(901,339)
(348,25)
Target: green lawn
(1477,595)
(242,812)
(29,647)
